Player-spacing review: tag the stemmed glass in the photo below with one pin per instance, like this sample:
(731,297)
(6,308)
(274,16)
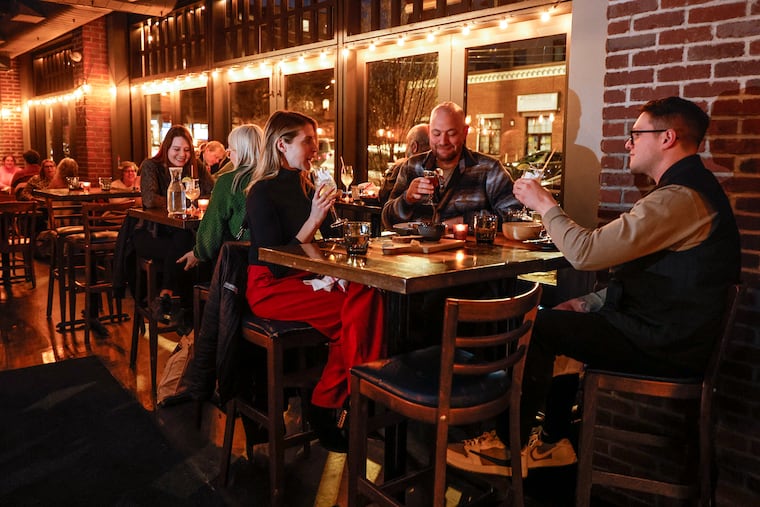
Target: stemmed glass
(322,177)
(192,191)
(346,175)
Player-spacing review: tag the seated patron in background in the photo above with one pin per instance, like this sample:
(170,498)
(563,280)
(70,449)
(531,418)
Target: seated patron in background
(67,168)
(7,171)
(417,141)
(129,180)
(284,208)
(672,258)
(470,181)
(224,218)
(40,181)
(215,157)
(31,168)
(162,243)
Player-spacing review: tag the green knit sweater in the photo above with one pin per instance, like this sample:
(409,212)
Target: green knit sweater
(223,218)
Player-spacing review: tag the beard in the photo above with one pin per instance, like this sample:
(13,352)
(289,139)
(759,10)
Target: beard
(448,153)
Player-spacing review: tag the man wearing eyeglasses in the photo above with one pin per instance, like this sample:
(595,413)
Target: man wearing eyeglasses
(671,258)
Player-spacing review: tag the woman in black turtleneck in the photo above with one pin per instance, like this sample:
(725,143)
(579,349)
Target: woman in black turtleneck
(284,208)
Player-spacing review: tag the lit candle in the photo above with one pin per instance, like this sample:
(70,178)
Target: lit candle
(202,205)
(460,231)
(86,187)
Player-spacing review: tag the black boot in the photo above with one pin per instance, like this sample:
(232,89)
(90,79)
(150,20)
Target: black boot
(325,424)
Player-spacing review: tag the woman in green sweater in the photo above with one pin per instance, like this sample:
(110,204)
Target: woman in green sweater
(226,210)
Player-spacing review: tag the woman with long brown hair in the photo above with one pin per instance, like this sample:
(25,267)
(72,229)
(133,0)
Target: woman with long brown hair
(283,207)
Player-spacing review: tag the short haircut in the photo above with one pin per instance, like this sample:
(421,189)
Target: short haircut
(684,116)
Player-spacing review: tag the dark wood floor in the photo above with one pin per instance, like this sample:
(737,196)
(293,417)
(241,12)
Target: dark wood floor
(28,337)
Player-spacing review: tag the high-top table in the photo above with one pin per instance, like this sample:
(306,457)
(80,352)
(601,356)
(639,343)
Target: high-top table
(402,275)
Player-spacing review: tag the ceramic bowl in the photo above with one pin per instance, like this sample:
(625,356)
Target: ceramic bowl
(520,231)
(431,232)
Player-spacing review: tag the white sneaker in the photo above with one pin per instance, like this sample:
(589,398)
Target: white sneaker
(540,454)
(485,454)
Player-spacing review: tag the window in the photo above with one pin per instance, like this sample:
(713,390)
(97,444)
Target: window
(488,128)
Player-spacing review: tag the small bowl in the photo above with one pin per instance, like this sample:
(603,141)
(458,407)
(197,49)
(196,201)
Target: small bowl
(520,231)
(431,232)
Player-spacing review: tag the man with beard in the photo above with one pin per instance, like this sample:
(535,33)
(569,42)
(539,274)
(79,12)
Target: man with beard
(467,181)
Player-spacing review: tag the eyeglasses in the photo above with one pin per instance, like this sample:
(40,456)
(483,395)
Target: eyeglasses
(650,131)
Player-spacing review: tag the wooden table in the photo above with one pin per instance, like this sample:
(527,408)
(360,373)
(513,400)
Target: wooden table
(415,272)
(53,196)
(161,216)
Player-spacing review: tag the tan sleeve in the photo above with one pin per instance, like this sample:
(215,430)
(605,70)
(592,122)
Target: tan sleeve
(672,217)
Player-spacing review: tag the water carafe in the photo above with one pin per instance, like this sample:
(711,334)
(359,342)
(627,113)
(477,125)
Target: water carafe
(175,194)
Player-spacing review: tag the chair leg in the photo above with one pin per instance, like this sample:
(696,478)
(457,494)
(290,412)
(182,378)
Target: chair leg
(51,279)
(586,455)
(276,424)
(357,455)
(230,410)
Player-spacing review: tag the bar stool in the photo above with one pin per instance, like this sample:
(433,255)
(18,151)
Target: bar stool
(17,223)
(101,222)
(699,486)
(64,220)
(276,338)
(143,313)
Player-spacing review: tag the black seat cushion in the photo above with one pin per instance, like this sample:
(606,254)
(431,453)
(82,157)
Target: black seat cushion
(415,377)
(273,328)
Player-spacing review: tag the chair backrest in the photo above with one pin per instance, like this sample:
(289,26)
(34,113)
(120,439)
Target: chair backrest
(17,225)
(733,297)
(509,324)
(102,220)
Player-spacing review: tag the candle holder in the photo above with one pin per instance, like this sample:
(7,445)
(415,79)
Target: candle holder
(460,231)
(202,205)
(86,187)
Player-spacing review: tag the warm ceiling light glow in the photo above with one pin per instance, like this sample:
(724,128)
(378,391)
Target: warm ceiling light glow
(431,36)
(346,52)
(466,30)
(322,55)
(545,16)
(372,46)
(504,24)
(401,40)
(301,59)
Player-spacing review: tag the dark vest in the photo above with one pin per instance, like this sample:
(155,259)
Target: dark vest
(671,303)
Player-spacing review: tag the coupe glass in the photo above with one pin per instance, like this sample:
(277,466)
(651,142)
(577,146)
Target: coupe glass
(323,177)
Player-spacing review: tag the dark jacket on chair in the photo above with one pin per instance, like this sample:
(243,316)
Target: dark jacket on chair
(216,348)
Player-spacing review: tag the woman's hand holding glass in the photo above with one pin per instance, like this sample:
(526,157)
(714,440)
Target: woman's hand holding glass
(325,184)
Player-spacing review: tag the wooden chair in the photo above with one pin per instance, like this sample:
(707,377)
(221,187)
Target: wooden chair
(63,220)
(17,237)
(701,488)
(276,338)
(148,271)
(445,385)
(101,224)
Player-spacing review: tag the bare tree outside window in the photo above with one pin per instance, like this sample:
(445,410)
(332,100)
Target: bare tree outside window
(402,91)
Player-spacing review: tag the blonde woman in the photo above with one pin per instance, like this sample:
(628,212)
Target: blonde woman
(225,215)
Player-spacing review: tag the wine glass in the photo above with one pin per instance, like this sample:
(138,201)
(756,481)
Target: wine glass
(192,191)
(323,178)
(346,175)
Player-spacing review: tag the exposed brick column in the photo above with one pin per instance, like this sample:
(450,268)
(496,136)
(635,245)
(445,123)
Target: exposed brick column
(93,150)
(11,128)
(708,52)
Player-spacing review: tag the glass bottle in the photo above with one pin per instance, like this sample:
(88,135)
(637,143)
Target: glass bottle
(175,194)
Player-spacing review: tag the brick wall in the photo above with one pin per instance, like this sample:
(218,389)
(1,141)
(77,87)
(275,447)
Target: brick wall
(707,51)
(93,138)
(11,128)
